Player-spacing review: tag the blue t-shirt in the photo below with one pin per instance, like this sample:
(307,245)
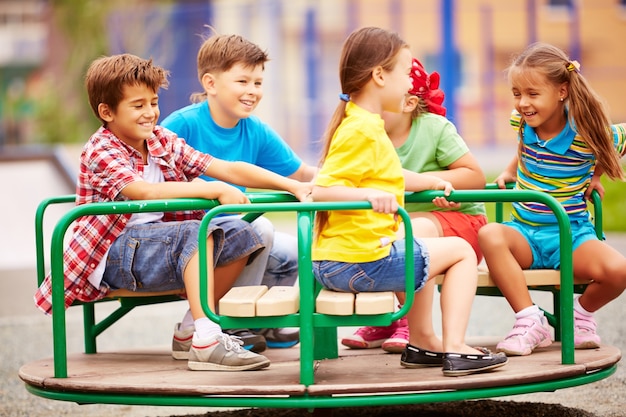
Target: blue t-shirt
(251,141)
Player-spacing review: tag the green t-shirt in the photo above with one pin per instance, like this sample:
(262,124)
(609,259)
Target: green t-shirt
(433,144)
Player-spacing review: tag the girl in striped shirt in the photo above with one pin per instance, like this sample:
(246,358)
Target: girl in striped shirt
(566,142)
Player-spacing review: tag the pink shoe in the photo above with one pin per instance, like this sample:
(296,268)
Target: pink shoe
(369,337)
(399,339)
(585,336)
(527,335)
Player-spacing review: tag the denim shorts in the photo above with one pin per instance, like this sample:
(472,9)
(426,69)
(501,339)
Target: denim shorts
(545,244)
(386,274)
(153,256)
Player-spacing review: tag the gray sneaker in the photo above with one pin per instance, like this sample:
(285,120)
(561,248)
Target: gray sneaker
(223,353)
(181,342)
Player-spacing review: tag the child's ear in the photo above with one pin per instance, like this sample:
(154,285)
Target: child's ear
(208,83)
(410,103)
(378,76)
(105,112)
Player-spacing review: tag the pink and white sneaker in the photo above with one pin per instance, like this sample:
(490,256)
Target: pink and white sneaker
(585,336)
(527,335)
(399,339)
(369,337)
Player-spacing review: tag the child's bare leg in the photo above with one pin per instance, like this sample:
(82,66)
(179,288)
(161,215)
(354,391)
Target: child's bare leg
(604,265)
(507,253)
(219,280)
(422,332)
(456,258)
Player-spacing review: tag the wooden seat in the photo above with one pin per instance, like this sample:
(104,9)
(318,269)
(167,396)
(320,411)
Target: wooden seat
(279,301)
(534,278)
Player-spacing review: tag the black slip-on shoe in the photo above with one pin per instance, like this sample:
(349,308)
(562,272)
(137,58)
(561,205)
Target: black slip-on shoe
(459,364)
(414,357)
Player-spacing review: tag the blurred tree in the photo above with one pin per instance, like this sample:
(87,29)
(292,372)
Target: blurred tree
(79,33)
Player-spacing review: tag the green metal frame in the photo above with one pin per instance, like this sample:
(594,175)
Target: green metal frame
(316,329)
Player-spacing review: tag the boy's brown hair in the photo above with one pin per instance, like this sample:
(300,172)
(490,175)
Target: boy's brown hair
(107,76)
(219,53)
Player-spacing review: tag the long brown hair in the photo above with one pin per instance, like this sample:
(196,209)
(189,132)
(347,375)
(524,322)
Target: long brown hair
(363,51)
(587,112)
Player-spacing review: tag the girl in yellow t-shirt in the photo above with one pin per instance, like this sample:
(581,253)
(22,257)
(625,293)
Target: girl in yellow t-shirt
(358,251)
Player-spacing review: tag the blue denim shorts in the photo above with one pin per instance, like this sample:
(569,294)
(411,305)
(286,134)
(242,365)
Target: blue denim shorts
(545,244)
(153,256)
(386,274)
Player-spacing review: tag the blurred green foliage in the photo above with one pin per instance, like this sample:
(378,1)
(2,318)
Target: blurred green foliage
(80,33)
(62,112)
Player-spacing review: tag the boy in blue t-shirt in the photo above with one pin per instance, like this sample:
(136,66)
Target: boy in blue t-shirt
(220,120)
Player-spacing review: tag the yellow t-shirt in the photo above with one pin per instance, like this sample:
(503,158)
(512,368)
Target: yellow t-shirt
(362,156)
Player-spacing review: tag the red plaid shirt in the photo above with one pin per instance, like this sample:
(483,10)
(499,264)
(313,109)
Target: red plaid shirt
(107,165)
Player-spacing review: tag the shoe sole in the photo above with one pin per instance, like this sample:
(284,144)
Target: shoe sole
(413,365)
(474,371)
(355,344)
(180,355)
(587,345)
(207,366)
(281,345)
(394,347)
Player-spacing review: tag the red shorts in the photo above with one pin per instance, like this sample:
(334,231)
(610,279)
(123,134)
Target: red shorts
(454,223)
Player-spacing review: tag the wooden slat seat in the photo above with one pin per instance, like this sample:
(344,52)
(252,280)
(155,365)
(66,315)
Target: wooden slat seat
(279,301)
(534,278)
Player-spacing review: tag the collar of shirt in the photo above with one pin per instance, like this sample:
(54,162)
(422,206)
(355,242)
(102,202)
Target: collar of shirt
(558,144)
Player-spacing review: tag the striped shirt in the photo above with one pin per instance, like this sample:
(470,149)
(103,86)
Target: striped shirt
(562,166)
(107,166)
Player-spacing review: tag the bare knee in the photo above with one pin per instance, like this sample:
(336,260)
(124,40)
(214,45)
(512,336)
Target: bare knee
(491,236)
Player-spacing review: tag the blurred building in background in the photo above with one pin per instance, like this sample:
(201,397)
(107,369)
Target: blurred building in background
(470,42)
(23,33)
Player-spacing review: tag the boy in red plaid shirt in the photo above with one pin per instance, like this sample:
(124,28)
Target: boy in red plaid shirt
(131,158)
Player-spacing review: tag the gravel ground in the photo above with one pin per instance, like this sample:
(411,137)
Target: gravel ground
(26,336)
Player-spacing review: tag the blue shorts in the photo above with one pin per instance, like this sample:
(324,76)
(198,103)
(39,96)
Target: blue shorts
(153,256)
(545,244)
(386,274)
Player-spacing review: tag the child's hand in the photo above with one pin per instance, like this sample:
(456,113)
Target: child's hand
(446,186)
(228,194)
(382,202)
(442,202)
(595,184)
(302,191)
(505,178)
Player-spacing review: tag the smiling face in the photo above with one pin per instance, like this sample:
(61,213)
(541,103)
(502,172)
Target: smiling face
(135,117)
(540,102)
(234,94)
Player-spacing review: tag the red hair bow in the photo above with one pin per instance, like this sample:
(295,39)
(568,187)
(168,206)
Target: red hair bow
(426,87)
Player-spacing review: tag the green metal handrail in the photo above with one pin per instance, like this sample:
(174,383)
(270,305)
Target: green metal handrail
(268,202)
(307,322)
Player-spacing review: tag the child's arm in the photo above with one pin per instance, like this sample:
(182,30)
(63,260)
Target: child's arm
(212,190)
(382,202)
(595,184)
(248,175)
(508,175)
(305,173)
(464,173)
